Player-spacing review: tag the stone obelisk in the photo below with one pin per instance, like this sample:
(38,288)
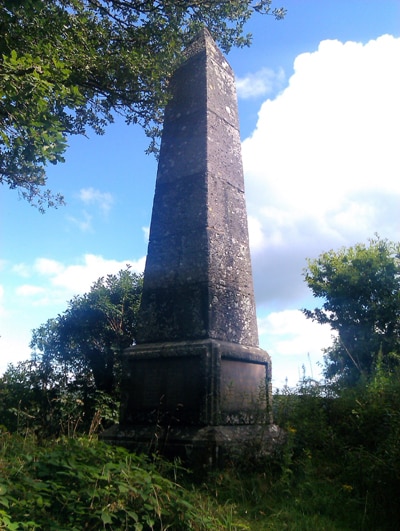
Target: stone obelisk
(196,373)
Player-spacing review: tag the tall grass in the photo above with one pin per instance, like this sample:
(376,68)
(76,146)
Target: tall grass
(338,469)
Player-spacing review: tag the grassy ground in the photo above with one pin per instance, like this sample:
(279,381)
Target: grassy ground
(76,484)
(338,470)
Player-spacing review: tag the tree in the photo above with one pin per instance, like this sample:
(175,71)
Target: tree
(87,339)
(70,65)
(361,289)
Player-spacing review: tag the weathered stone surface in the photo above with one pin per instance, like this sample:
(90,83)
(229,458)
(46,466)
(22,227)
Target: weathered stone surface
(203,447)
(198,279)
(204,382)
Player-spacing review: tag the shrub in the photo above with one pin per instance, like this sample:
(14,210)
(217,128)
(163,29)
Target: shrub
(346,441)
(76,484)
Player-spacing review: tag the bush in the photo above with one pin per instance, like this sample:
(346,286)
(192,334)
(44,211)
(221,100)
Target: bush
(338,469)
(76,484)
(348,441)
(51,405)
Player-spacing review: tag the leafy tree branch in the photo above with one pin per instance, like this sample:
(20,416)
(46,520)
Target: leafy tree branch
(69,65)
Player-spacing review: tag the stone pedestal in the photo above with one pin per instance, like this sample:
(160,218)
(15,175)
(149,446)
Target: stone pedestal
(198,400)
(195,383)
(201,448)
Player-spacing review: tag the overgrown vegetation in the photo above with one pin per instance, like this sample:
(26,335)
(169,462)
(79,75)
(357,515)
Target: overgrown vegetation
(339,469)
(83,344)
(75,484)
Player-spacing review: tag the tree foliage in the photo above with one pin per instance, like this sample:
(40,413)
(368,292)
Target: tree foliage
(87,339)
(360,286)
(48,401)
(70,65)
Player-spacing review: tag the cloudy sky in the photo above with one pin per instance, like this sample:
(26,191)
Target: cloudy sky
(320,118)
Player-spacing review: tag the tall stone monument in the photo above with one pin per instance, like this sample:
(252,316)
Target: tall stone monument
(196,380)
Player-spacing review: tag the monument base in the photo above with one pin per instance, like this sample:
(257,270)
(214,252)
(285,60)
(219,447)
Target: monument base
(198,447)
(202,400)
(195,383)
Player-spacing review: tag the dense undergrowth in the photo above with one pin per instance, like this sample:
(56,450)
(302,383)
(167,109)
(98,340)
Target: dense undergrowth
(339,469)
(76,484)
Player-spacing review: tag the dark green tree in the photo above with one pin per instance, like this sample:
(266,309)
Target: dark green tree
(360,286)
(88,338)
(70,65)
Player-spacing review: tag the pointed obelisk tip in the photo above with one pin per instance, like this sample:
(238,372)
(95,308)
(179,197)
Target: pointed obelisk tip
(203,34)
(199,42)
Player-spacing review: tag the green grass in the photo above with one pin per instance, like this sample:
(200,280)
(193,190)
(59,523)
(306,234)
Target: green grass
(76,484)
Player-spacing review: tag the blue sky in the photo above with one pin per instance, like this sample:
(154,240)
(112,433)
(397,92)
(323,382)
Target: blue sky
(320,118)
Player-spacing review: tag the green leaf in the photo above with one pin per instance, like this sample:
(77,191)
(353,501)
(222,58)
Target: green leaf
(4,501)
(106,517)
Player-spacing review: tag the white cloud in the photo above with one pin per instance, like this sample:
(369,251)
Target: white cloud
(291,333)
(256,235)
(28,290)
(22,270)
(78,278)
(91,196)
(46,266)
(54,283)
(261,83)
(14,348)
(146,233)
(293,342)
(62,281)
(322,165)
(84,224)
